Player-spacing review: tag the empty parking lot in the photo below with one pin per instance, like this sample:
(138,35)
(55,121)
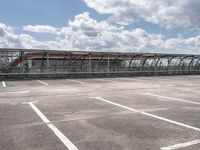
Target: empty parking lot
(136,113)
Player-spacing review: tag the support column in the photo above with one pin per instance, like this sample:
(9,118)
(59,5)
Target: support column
(90,64)
(108,65)
(180,64)
(129,65)
(22,70)
(198,72)
(70,63)
(100,60)
(22,62)
(47,62)
(142,65)
(156,65)
(169,61)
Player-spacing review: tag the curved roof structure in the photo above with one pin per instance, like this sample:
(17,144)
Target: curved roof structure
(42,61)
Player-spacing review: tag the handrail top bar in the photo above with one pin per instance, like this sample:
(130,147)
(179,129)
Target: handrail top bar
(125,54)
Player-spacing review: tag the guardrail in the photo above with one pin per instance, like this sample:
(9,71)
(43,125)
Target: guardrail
(31,76)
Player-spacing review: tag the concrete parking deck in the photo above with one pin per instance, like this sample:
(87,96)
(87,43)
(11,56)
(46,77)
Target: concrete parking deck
(138,113)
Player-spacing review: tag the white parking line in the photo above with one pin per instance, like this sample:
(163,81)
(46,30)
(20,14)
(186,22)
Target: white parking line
(181,145)
(190,84)
(170,85)
(153,116)
(76,81)
(132,79)
(108,80)
(141,81)
(17,92)
(188,90)
(148,114)
(42,82)
(56,131)
(156,78)
(3,83)
(171,98)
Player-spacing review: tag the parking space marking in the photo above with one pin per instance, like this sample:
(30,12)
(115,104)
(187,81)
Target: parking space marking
(17,92)
(56,131)
(155,78)
(148,114)
(4,83)
(171,85)
(188,90)
(76,81)
(39,113)
(172,98)
(42,82)
(137,80)
(108,80)
(190,84)
(181,145)
(133,79)
(128,79)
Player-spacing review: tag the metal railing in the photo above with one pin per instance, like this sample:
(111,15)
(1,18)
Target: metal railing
(31,64)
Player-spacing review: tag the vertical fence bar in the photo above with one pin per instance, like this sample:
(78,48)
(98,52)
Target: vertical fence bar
(108,65)
(47,55)
(21,64)
(90,64)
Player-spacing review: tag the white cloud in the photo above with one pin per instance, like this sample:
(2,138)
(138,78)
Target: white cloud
(183,45)
(9,39)
(29,42)
(171,14)
(41,29)
(85,33)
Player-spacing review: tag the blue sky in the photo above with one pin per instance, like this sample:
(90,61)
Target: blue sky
(57,14)
(51,12)
(43,23)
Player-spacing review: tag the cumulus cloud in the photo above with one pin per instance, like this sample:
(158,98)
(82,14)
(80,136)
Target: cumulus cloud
(89,26)
(183,45)
(86,33)
(41,29)
(9,39)
(171,14)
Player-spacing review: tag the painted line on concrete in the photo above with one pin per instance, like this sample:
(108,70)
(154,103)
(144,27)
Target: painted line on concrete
(39,113)
(134,79)
(155,78)
(34,102)
(190,84)
(108,80)
(17,92)
(148,114)
(4,83)
(171,85)
(172,98)
(56,131)
(42,82)
(76,81)
(140,81)
(181,145)
(128,79)
(188,90)
(155,109)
